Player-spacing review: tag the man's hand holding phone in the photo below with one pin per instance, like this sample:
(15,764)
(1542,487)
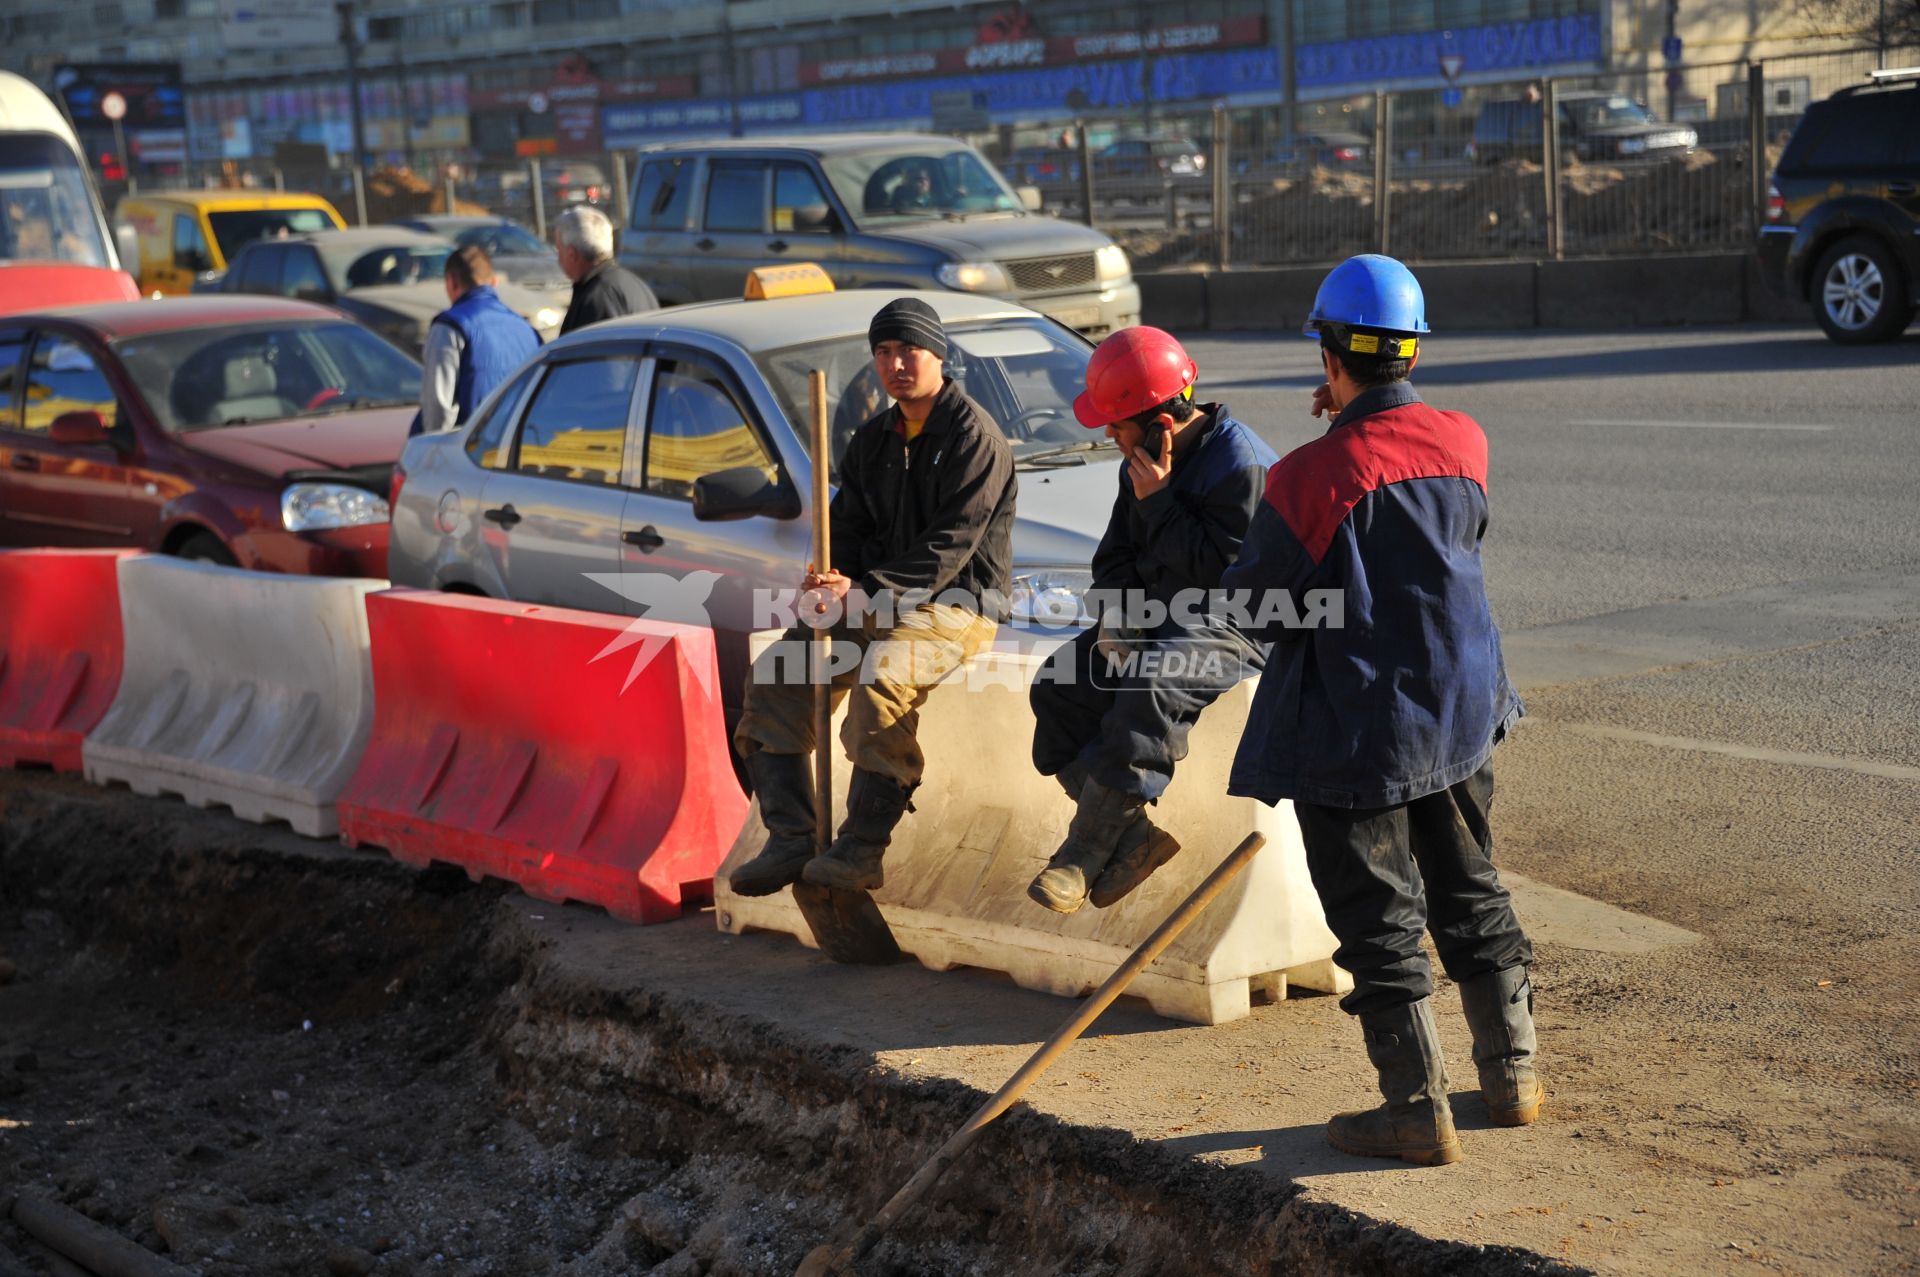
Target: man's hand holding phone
(1150,471)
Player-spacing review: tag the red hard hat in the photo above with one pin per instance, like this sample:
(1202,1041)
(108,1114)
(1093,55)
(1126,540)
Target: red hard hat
(1131,371)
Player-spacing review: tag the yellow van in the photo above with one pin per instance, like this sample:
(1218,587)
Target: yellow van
(184,234)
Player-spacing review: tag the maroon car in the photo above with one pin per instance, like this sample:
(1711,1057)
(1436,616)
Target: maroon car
(239,430)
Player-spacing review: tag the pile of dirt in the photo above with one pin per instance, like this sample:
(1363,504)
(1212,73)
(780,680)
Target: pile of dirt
(396,193)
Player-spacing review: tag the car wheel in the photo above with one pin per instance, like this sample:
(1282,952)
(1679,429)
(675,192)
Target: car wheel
(204,547)
(1859,294)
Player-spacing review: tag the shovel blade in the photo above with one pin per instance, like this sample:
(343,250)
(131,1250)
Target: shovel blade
(847,925)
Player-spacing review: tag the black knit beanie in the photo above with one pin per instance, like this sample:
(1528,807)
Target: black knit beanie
(910,320)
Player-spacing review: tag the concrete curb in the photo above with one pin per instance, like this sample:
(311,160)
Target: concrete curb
(1597,293)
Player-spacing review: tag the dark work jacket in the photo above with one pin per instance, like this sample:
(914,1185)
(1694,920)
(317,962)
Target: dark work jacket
(932,515)
(1409,694)
(1185,535)
(608,291)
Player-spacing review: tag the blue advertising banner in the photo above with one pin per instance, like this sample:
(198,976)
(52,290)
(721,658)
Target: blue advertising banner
(1505,46)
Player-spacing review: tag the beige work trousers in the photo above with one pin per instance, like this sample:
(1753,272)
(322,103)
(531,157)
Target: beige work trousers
(898,668)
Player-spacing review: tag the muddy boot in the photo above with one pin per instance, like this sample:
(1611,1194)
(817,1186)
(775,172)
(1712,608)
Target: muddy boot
(1499,1007)
(875,804)
(1073,778)
(784,785)
(1143,848)
(1102,817)
(1415,1124)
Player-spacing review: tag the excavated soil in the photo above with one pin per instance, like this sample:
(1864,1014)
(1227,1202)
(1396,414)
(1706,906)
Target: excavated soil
(259,1054)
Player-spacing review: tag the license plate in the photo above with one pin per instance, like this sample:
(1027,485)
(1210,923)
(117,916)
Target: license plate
(1080,317)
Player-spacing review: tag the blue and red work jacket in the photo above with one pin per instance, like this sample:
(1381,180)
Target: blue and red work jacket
(1408,694)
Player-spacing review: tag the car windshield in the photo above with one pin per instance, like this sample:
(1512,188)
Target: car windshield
(46,210)
(1603,112)
(235,230)
(1024,372)
(354,267)
(205,378)
(896,185)
(502,239)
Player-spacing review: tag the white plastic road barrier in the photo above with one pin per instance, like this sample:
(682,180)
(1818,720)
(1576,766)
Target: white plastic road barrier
(253,690)
(986,822)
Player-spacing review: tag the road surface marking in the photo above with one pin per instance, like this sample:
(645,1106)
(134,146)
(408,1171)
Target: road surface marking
(1708,425)
(1828,762)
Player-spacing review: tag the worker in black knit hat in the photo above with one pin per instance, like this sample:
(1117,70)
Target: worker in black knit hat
(922,532)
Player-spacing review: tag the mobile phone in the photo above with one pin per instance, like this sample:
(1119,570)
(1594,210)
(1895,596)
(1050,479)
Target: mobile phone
(1156,440)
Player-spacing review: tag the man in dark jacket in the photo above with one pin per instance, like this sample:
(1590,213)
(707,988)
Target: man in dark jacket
(922,548)
(1381,728)
(472,346)
(1112,710)
(602,287)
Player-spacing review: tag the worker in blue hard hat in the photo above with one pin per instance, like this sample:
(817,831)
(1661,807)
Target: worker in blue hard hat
(1380,728)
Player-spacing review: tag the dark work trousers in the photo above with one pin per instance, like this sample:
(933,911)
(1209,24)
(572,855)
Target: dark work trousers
(1385,874)
(1128,719)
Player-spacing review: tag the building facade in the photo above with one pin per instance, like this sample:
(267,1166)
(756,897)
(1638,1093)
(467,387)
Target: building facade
(495,80)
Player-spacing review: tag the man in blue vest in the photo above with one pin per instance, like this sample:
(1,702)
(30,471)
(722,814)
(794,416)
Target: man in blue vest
(1381,728)
(472,345)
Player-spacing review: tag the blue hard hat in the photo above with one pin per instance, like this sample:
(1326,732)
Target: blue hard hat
(1369,291)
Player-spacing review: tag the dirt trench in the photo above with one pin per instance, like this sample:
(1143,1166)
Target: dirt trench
(258,1054)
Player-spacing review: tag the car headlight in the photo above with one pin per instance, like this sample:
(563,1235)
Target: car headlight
(1054,597)
(548,317)
(312,507)
(1632,145)
(974,277)
(1111,264)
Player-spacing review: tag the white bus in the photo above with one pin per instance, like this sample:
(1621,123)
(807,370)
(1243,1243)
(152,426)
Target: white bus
(55,245)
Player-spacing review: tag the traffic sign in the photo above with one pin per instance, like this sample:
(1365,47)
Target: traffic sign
(1451,97)
(1451,64)
(537,103)
(1676,81)
(1670,48)
(113,106)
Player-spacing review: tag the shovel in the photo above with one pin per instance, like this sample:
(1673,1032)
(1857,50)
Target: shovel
(846,924)
(823,1261)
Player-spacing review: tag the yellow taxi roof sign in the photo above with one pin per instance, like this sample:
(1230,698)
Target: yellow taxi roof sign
(797,280)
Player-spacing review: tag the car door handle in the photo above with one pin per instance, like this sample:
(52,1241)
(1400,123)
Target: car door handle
(506,516)
(704,245)
(777,246)
(646,539)
(24,461)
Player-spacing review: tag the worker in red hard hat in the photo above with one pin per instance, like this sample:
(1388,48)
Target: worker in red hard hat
(1113,708)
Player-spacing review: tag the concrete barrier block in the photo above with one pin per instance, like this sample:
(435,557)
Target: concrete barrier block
(1281,297)
(1766,306)
(986,822)
(1648,292)
(252,690)
(1478,296)
(1174,300)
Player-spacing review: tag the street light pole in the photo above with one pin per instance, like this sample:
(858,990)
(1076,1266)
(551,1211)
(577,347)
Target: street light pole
(348,38)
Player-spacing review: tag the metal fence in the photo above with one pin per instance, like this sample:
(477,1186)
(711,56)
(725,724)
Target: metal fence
(1634,162)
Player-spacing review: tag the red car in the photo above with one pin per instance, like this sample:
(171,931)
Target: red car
(240,430)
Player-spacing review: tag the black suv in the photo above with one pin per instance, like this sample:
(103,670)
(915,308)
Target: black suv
(1843,218)
(1596,127)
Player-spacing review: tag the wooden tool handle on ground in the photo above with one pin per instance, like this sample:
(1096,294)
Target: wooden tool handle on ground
(822,644)
(831,1259)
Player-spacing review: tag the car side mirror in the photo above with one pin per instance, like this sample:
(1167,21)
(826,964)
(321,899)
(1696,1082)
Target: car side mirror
(741,493)
(1029,198)
(79,429)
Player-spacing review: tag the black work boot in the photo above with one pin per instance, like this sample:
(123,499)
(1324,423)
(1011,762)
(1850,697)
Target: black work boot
(875,804)
(1415,1124)
(1499,1007)
(1101,818)
(1143,848)
(784,785)
(1073,778)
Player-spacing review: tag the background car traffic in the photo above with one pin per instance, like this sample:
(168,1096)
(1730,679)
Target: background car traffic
(516,252)
(389,278)
(248,431)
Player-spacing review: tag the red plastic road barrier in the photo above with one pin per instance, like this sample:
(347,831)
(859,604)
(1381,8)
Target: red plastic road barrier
(60,649)
(507,741)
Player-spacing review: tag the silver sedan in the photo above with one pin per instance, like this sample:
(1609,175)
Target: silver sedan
(659,466)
